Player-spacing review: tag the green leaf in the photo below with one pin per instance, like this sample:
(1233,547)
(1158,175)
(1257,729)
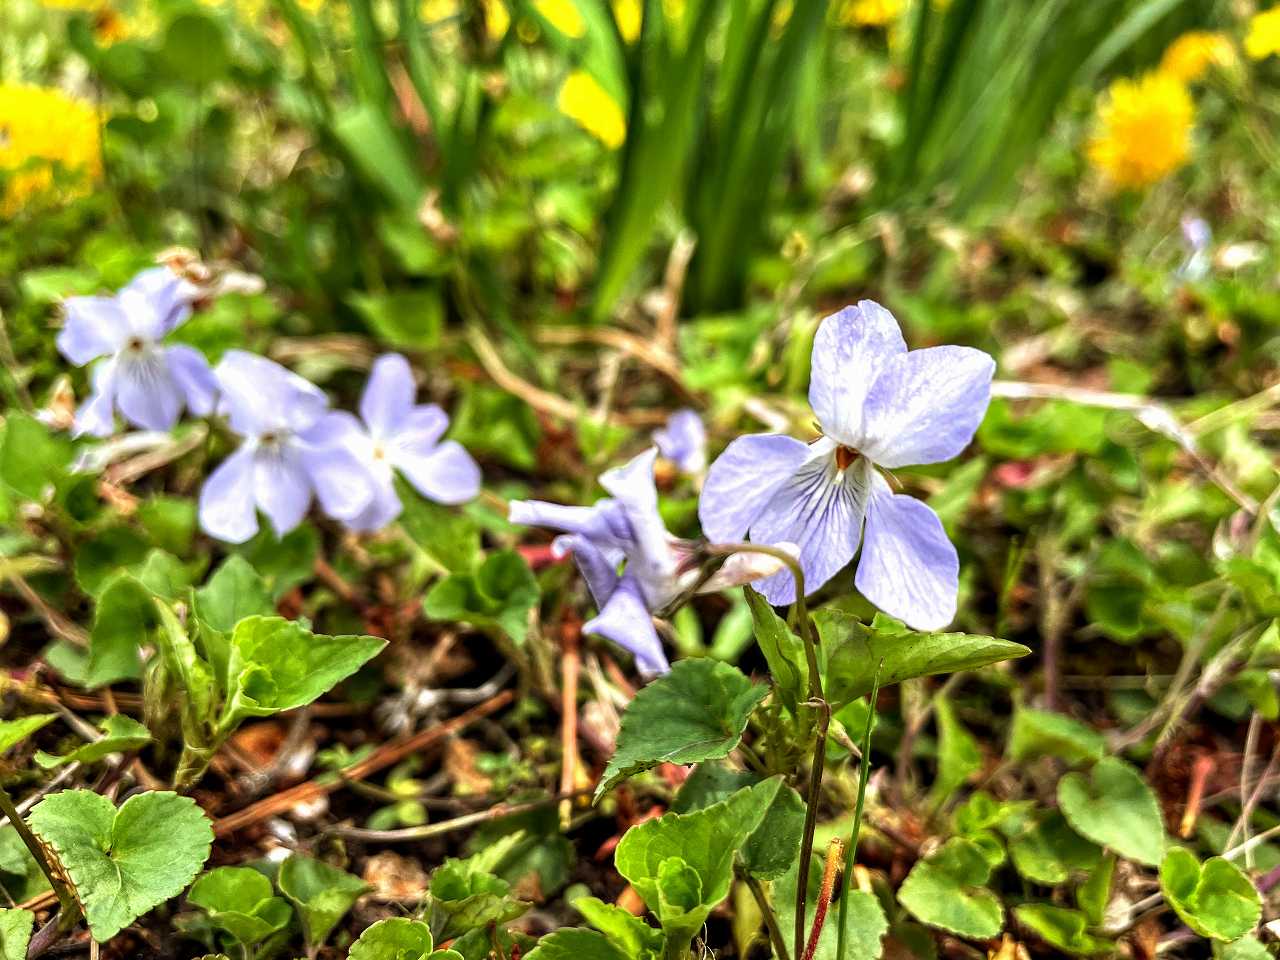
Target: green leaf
(235,591)
(682,864)
(322,893)
(123,862)
(278,664)
(123,619)
(465,896)
(635,938)
(405,319)
(1215,899)
(284,562)
(195,48)
(1041,733)
(120,734)
(15,933)
(783,651)
(398,939)
(958,754)
(946,890)
(32,458)
(1048,851)
(772,848)
(13,732)
(1060,927)
(574,944)
(864,927)
(498,595)
(1246,948)
(446,535)
(1112,806)
(1094,894)
(239,900)
(108,553)
(852,651)
(696,712)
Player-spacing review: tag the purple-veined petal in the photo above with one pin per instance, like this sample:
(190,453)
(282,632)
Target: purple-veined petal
(227,505)
(601,574)
(743,480)
(282,486)
(625,620)
(605,523)
(157,301)
(260,396)
(908,568)
(820,510)
(194,377)
(446,475)
(96,415)
(344,484)
(683,441)
(651,561)
(926,405)
(849,351)
(146,392)
(95,327)
(388,395)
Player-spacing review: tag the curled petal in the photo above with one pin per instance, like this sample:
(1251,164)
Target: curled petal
(194,377)
(146,392)
(926,405)
(260,396)
(625,620)
(96,415)
(651,560)
(227,507)
(446,475)
(600,573)
(743,480)
(908,568)
(282,487)
(95,327)
(388,396)
(820,510)
(849,351)
(605,523)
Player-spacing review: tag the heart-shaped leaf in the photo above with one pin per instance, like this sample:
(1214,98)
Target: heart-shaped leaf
(239,900)
(398,939)
(946,890)
(120,734)
(1048,851)
(853,650)
(498,595)
(1215,899)
(123,862)
(322,893)
(1068,930)
(1112,806)
(696,712)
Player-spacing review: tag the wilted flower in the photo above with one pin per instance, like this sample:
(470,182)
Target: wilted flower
(878,406)
(282,461)
(1263,38)
(1193,53)
(44,132)
(148,382)
(660,572)
(1144,130)
(583,99)
(398,435)
(1197,236)
(683,441)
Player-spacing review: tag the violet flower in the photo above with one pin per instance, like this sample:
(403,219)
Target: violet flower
(395,435)
(879,406)
(148,382)
(660,570)
(1197,236)
(683,441)
(283,460)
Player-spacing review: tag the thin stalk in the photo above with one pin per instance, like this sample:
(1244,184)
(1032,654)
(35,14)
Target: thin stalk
(68,905)
(829,870)
(864,774)
(816,699)
(776,938)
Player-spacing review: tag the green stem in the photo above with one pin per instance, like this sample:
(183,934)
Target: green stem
(822,722)
(864,774)
(770,918)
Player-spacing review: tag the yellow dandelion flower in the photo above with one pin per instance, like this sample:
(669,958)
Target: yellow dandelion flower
(1193,53)
(870,13)
(434,11)
(627,14)
(497,19)
(564,16)
(1263,38)
(1143,130)
(45,136)
(583,99)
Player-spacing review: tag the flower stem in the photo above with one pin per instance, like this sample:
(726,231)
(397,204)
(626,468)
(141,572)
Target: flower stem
(834,849)
(864,773)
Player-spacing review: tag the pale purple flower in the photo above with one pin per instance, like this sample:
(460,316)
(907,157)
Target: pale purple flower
(1197,235)
(397,434)
(283,461)
(660,570)
(879,406)
(148,382)
(683,441)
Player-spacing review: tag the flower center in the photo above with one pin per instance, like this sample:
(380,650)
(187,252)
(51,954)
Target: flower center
(845,456)
(379,452)
(135,345)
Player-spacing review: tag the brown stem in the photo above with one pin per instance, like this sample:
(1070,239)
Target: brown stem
(457,823)
(570,666)
(835,852)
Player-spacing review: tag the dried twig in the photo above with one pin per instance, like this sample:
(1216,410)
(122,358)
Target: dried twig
(457,823)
